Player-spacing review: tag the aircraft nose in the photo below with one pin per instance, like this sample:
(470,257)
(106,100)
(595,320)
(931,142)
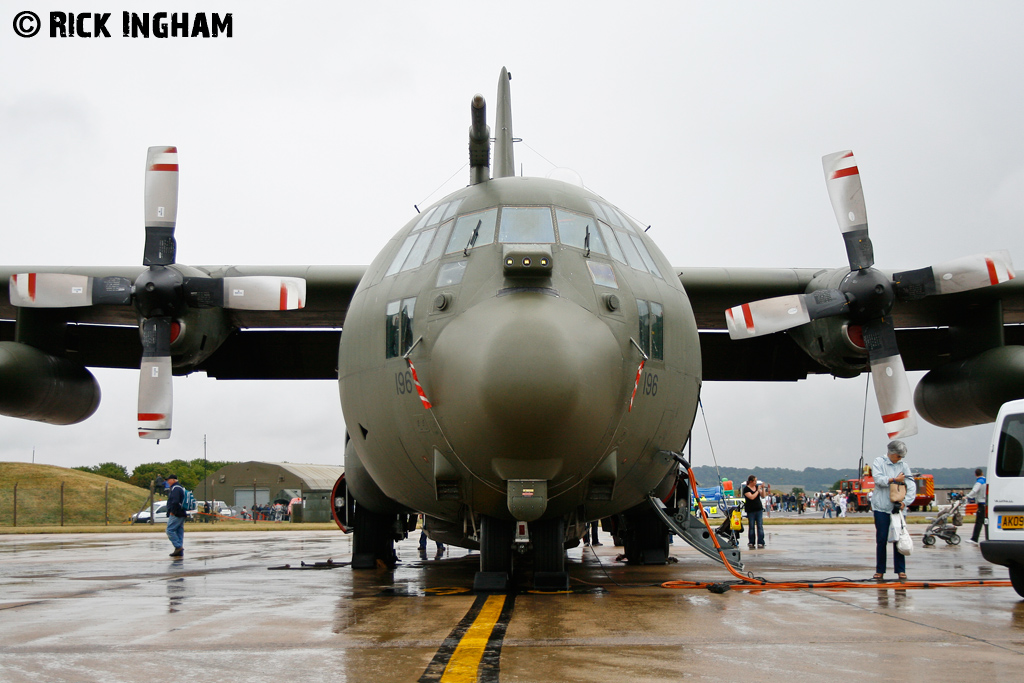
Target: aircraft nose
(527,376)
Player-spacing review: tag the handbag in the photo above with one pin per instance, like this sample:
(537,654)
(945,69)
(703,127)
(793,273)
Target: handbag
(897,492)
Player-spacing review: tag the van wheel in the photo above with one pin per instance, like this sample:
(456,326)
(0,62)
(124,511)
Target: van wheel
(1017,579)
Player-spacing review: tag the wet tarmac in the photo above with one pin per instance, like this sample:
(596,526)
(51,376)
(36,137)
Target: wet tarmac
(115,607)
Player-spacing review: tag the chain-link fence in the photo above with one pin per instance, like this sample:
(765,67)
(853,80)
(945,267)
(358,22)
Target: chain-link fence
(25,506)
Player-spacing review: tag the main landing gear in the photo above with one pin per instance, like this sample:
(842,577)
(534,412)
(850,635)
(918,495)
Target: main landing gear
(374,536)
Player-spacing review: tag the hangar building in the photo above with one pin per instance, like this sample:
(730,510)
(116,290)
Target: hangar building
(248,483)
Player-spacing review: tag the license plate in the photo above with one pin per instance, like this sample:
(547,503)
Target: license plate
(1011,522)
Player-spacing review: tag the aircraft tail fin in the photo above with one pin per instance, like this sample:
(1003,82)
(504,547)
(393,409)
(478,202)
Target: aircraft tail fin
(504,161)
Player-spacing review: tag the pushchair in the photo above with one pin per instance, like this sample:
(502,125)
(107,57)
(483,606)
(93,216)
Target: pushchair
(944,525)
(725,530)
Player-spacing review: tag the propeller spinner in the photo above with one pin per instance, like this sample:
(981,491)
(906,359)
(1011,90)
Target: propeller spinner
(160,294)
(866,296)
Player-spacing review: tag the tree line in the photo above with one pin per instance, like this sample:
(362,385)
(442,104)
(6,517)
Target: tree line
(190,472)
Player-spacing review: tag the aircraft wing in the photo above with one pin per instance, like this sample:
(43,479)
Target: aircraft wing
(922,326)
(297,344)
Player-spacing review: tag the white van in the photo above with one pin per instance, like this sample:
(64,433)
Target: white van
(1005,478)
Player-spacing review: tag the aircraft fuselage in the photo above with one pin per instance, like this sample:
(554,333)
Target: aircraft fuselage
(525,307)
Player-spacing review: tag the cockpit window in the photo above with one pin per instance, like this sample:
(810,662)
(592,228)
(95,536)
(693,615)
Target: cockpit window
(422,222)
(598,210)
(629,249)
(477,228)
(451,273)
(449,212)
(579,231)
(403,253)
(645,255)
(439,242)
(398,336)
(652,328)
(526,225)
(609,239)
(437,214)
(602,274)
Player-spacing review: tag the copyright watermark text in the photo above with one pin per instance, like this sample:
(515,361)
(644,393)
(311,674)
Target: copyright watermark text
(132,25)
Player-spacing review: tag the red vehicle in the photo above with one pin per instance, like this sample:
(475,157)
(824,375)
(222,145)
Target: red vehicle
(861,489)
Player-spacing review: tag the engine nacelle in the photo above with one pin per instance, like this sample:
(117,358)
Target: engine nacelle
(364,489)
(969,392)
(37,386)
(833,342)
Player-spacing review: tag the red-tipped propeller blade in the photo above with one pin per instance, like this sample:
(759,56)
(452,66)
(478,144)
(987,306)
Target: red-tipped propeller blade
(842,178)
(161,205)
(155,390)
(249,293)
(61,290)
(783,312)
(959,275)
(892,389)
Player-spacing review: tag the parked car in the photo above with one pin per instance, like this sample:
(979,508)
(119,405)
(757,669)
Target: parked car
(159,514)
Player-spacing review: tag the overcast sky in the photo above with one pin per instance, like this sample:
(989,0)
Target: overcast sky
(309,135)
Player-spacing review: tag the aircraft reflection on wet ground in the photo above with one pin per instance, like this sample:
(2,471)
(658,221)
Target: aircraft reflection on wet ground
(115,607)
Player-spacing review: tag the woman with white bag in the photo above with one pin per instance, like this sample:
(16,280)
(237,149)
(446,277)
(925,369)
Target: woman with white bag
(894,491)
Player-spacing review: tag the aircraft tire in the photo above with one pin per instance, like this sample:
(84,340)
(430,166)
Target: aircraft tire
(372,539)
(646,537)
(496,537)
(548,545)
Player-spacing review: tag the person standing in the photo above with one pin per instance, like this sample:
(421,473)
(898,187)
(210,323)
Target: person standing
(842,502)
(176,515)
(890,468)
(755,511)
(978,494)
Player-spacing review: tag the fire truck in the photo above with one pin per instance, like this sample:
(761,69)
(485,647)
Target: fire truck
(861,490)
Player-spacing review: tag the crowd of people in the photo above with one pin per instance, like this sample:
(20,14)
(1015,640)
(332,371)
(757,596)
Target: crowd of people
(277,512)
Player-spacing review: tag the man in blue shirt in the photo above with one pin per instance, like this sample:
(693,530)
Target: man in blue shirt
(176,515)
(890,468)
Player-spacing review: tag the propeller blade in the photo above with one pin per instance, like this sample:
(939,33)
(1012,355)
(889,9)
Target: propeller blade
(155,397)
(783,312)
(842,178)
(959,275)
(248,293)
(892,389)
(161,205)
(61,290)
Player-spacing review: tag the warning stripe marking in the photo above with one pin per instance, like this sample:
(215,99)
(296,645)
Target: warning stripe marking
(419,388)
(844,172)
(472,651)
(636,384)
(892,417)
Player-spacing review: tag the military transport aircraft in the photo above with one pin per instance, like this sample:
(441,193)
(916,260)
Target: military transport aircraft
(520,358)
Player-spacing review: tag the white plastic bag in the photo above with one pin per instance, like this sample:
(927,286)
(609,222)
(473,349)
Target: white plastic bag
(899,534)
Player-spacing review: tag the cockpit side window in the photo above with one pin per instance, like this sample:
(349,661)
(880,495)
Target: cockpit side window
(652,328)
(576,230)
(403,253)
(638,242)
(398,335)
(609,239)
(526,225)
(476,228)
